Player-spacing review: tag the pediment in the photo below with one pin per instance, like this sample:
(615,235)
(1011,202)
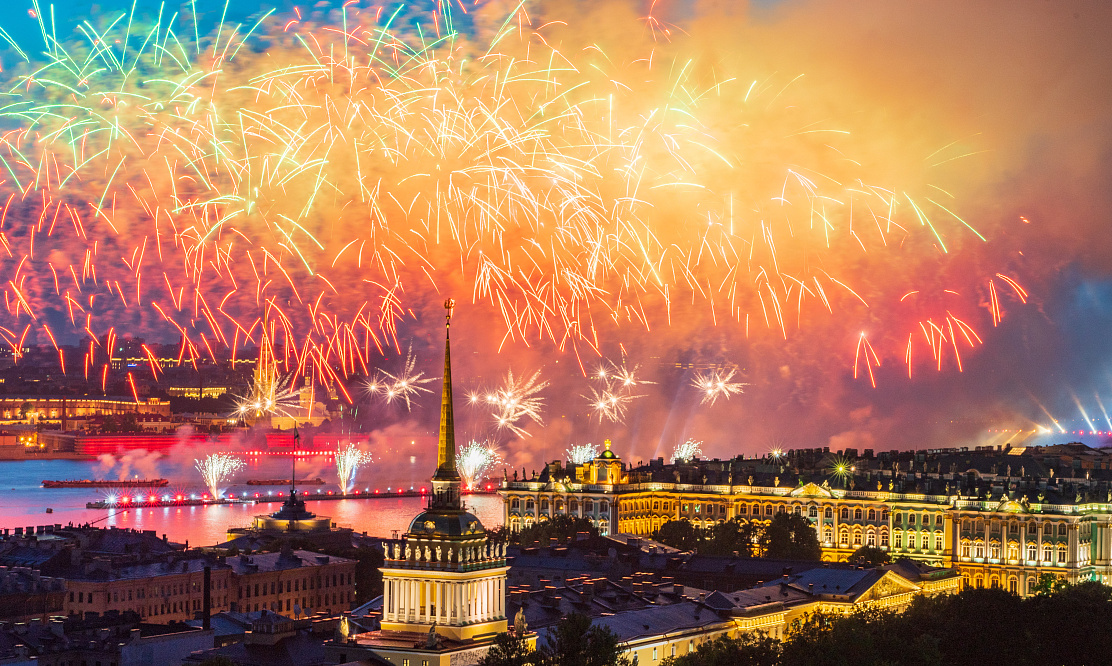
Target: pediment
(1011,506)
(890,584)
(811,490)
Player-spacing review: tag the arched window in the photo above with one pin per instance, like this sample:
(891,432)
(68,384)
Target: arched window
(845,513)
(656,506)
(857,538)
(1032,551)
(1061,555)
(768,509)
(604,507)
(828,535)
(1047,552)
(938,542)
(884,539)
(911,519)
(884,515)
(544,505)
(978,550)
(994,551)
(559,505)
(813,512)
(911,541)
(828,513)
(796,509)
(742,509)
(515,503)
(872,514)
(870,539)
(1013,585)
(857,514)
(1061,529)
(843,536)
(573,506)
(965,549)
(529,504)
(588,506)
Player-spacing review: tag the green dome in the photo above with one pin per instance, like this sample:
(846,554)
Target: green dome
(437,523)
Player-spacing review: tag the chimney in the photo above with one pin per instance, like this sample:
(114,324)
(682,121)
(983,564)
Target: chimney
(206,603)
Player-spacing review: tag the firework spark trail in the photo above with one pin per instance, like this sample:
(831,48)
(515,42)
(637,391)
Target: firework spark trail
(311,190)
(514,401)
(717,384)
(582,453)
(404,386)
(349,458)
(216,469)
(687,451)
(474,461)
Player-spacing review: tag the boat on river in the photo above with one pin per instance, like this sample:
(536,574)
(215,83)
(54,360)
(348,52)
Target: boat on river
(106,483)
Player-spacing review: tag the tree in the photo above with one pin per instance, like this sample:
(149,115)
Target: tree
(575,641)
(729,537)
(1048,583)
(509,650)
(680,534)
(24,409)
(870,556)
(790,536)
(560,527)
(751,649)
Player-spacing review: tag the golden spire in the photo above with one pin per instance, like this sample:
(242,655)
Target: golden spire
(446,447)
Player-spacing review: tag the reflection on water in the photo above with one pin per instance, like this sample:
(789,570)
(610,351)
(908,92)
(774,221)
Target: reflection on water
(25,502)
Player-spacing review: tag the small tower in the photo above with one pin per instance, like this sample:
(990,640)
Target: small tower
(445,578)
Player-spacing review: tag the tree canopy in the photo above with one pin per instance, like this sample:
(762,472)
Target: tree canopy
(574,641)
(787,536)
(1068,625)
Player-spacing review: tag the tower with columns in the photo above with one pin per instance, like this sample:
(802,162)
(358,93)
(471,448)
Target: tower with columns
(445,577)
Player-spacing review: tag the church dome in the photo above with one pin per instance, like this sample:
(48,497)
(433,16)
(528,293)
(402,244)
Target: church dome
(443,523)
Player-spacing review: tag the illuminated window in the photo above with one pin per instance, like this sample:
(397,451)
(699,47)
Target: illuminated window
(857,514)
(870,539)
(843,537)
(884,515)
(828,513)
(1061,554)
(910,541)
(544,505)
(857,538)
(897,539)
(828,535)
(1061,529)
(529,505)
(845,513)
(883,539)
(742,509)
(965,550)
(813,512)
(655,658)
(938,542)
(1032,551)
(1047,553)
(872,514)
(656,506)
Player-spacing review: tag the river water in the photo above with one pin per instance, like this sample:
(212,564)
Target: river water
(23,503)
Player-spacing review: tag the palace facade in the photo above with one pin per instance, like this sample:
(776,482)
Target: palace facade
(1001,516)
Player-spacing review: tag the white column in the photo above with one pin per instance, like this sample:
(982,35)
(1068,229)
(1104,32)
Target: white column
(391,599)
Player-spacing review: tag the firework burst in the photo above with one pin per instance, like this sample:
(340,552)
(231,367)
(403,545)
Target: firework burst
(216,469)
(717,384)
(404,386)
(548,176)
(687,451)
(349,458)
(612,401)
(474,461)
(582,453)
(516,400)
